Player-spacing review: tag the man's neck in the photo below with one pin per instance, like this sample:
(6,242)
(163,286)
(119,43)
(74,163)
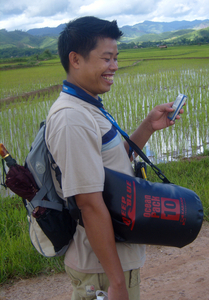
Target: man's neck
(72,80)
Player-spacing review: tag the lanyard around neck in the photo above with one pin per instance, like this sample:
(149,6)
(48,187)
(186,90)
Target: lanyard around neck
(71,91)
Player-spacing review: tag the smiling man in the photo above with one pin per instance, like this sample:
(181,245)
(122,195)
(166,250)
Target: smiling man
(82,142)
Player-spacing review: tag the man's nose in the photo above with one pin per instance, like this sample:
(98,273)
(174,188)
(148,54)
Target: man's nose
(114,65)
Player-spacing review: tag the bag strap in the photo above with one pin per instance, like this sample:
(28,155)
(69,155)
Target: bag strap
(134,147)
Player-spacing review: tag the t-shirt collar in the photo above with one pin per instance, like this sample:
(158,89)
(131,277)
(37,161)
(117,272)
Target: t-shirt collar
(81,94)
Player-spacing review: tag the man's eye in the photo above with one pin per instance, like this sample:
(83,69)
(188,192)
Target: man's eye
(107,59)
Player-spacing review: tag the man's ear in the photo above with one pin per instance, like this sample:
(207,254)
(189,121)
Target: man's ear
(74,59)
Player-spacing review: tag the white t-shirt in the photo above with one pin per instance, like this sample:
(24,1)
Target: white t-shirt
(73,141)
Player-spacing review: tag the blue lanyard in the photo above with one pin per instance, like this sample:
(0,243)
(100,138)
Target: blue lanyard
(73,90)
(114,123)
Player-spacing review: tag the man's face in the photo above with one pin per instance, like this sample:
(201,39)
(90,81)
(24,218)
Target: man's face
(95,73)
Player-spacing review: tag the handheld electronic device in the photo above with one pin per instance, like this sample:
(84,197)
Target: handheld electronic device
(177,106)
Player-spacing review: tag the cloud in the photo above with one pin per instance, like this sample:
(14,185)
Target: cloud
(179,10)
(118,7)
(25,14)
(38,8)
(13,7)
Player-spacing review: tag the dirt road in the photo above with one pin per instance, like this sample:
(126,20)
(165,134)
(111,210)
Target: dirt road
(169,273)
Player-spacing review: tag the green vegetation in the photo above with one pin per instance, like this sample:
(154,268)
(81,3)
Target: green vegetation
(18,258)
(29,61)
(146,77)
(15,82)
(185,52)
(179,37)
(20,43)
(20,123)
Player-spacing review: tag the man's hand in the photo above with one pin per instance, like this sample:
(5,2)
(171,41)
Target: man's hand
(157,119)
(158,116)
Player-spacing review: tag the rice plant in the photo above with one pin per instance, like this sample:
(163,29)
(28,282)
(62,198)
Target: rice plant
(20,123)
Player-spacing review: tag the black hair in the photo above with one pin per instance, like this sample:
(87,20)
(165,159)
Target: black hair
(81,35)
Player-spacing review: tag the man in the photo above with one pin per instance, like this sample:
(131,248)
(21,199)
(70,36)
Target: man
(88,52)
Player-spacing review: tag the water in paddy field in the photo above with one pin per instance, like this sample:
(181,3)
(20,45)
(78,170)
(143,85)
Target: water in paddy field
(165,154)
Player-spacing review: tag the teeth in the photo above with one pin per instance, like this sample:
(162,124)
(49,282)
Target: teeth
(110,78)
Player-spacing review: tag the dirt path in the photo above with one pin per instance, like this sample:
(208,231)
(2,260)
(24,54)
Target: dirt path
(169,273)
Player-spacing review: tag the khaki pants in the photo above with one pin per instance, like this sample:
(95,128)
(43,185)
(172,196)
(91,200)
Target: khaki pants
(85,285)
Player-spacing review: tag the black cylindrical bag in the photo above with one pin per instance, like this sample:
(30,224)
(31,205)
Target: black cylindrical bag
(144,212)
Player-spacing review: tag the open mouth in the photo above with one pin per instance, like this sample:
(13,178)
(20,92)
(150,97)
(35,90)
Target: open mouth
(108,77)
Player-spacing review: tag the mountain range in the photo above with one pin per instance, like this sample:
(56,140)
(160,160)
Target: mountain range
(136,30)
(148,31)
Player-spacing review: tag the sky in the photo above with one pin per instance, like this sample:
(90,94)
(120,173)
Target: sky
(24,14)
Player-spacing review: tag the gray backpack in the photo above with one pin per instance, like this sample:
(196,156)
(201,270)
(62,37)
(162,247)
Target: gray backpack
(52,227)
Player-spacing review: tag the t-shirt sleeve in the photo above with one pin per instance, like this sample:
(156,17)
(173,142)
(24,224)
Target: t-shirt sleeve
(76,148)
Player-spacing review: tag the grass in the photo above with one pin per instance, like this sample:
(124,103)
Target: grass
(18,258)
(170,52)
(135,67)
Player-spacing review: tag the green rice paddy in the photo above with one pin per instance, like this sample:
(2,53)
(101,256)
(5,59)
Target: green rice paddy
(146,78)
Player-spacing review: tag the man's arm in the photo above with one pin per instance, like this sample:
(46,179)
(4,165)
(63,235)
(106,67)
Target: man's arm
(99,230)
